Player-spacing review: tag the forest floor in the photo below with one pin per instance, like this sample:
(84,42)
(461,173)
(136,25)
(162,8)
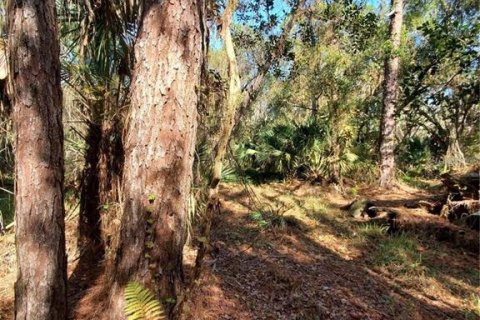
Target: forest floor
(288,251)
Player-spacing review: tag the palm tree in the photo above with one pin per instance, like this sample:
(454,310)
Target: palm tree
(98,38)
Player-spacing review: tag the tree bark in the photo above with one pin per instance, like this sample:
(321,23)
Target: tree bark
(390,87)
(40,289)
(227,120)
(159,148)
(454,157)
(89,225)
(102,177)
(109,170)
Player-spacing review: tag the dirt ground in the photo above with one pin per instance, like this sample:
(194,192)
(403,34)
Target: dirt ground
(288,251)
(323,265)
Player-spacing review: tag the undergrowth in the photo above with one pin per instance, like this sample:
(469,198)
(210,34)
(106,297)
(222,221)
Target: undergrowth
(372,231)
(273,217)
(399,254)
(474,313)
(141,304)
(6,208)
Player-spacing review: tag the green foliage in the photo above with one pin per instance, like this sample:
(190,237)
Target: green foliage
(151,197)
(324,108)
(372,231)
(399,254)
(272,218)
(229,173)
(414,180)
(475,313)
(6,208)
(141,304)
(301,150)
(439,104)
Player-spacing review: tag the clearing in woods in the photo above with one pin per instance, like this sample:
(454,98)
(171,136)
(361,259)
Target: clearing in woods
(288,251)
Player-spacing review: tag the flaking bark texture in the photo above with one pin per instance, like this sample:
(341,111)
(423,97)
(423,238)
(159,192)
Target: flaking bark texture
(159,147)
(390,87)
(40,289)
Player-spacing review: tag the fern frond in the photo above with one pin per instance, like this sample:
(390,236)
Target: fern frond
(141,304)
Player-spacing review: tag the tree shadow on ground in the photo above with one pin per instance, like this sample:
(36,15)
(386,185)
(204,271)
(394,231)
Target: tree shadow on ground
(285,274)
(89,268)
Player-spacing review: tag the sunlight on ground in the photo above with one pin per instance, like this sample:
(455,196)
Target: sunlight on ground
(416,280)
(288,251)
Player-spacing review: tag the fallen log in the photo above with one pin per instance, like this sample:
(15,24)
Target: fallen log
(462,186)
(473,221)
(463,196)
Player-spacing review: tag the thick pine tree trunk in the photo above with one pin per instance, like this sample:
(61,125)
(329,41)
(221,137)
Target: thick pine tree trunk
(40,289)
(390,88)
(159,148)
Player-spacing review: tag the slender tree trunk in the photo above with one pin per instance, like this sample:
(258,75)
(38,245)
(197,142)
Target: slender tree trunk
(159,148)
(40,289)
(390,87)
(233,94)
(89,224)
(335,147)
(252,90)
(454,157)
(336,150)
(236,103)
(227,122)
(102,176)
(109,170)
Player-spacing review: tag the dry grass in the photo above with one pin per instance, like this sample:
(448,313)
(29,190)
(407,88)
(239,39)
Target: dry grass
(7,274)
(287,251)
(407,275)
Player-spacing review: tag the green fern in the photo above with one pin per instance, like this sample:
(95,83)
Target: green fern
(140,303)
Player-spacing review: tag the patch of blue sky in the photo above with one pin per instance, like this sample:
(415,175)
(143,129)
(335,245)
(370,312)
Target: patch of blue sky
(280,9)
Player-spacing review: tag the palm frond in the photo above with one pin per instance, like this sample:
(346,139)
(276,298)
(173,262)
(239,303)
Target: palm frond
(141,304)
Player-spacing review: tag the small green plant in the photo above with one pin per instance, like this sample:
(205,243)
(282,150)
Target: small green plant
(259,219)
(141,304)
(399,254)
(7,208)
(475,301)
(372,231)
(414,182)
(151,197)
(353,191)
(272,218)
